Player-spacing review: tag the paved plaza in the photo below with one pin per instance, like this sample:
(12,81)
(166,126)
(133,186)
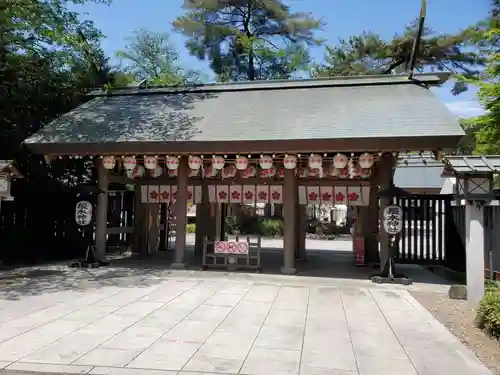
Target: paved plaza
(119,322)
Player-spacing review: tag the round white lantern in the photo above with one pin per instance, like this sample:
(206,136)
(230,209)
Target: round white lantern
(150,162)
(157,172)
(129,163)
(218,162)
(340,161)
(137,172)
(194,162)
(172,172)
(267,173)
(108,162)
(266,162)
(315,161)
(366,160)
(229,171)
(172,162)
(241,163)
(290,161)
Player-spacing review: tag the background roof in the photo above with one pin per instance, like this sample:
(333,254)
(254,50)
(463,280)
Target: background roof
(418,171)
(282,110)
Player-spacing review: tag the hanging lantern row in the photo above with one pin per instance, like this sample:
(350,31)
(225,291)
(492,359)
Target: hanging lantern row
(315,161)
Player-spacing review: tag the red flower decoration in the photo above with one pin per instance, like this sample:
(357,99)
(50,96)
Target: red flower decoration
(248,195)
(165,195)
(153,195)
(262,195)
(339,197)
(353,196)
(313,196)
(222,195)
(326,196)
(276,195)
(235,195)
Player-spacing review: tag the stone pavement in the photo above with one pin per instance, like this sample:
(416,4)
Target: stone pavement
(184,323)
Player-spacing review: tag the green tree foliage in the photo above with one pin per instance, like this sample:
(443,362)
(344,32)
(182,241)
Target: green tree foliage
(44,72)
(369,53)
(151,56)
(248,39)
(486,128)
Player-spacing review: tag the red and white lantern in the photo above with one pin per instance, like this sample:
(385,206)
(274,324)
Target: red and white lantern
(157,172)
(266,162)
(344,172)
(150,162)
(129,163)
(248,172)
(193,172)
(194,162)
(229,171)
(352,170)
(172,173)
(241,163)
(366,160)
(218,162)
(267,173)
(108,162)
(340,161)
(290,161)
(137,172)
(315,161)
(172,162)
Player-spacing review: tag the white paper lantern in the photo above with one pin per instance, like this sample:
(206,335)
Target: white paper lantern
(108,162)
(150,162)
(137,172)
(241,163)
(157,172)
(266,162)
(172,162)
(290,161)
(218,162)
(172,172)
(195,162)
(129,163)
(366,160)
(315,161)
(340,161)
(267,173)
(229,171)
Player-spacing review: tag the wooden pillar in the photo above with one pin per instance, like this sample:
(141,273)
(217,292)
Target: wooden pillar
(153,231)
(300,223)
(101,220)
(181,213)
(289,222)
(369,222)
(202,220)
(385,179)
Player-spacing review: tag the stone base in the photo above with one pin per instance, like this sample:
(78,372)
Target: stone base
(288,271)
(390,280)
(178,265)
(458,292)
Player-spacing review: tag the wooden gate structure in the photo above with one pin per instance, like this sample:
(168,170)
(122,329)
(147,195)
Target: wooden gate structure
(291,142)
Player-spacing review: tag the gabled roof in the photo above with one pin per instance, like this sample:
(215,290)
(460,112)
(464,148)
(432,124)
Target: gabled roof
(471,165)
(345,113)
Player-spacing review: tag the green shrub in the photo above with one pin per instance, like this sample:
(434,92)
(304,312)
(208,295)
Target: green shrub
(489,312)
(191,228)
(271,227)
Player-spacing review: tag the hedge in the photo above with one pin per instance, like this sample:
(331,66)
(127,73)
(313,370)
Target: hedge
(488,316)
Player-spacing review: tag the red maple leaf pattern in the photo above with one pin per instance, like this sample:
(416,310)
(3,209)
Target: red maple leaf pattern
(248,195)
(326,196)
(339,197)
(313,196)
(353,196)
(276,195)
(153,195)
(222,195)
(262,195)
(165,195)
(174,195)
(235,195)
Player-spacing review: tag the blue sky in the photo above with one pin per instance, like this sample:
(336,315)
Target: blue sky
(342,18)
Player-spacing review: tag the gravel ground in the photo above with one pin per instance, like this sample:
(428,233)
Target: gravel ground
(459,319)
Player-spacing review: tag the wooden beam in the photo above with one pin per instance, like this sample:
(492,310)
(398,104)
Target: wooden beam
(181,213)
